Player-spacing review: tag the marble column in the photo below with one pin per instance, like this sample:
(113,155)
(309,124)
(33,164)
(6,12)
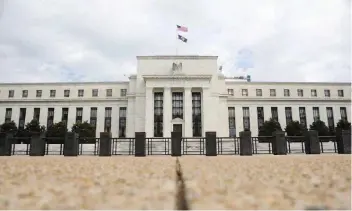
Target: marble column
(167,112)
(149,112)
(188,113)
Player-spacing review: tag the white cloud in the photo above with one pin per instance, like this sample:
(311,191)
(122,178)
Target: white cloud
(91,40)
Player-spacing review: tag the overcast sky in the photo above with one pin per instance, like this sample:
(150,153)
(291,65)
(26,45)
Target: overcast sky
(98,40)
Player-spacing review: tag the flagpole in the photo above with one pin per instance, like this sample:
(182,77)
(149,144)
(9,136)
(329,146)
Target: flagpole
(176,42)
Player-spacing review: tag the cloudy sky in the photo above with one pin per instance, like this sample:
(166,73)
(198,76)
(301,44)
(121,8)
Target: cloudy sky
(98,40)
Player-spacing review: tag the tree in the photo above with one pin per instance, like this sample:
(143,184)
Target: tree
(24,135)
(56,133)
(343,125)
(267,129)
(86,132)
(8,127)
(34,127)
(320,127)
(294,128)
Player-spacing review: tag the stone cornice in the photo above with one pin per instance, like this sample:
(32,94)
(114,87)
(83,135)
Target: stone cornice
(286,83)
(177,77)
(63,100)
(184,57)
(66,83)
(288,99)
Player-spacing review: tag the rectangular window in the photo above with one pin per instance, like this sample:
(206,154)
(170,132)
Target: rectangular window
(22,119)
(260,116)
(158,114)
(340,93)
(300,92)
(272,92)
(316,115)
(313,92)
(39,93)
(80,92)
(107,123)
(24,93)
(288,114)
(64,117)
(50,119)
(232,121)
(94,92)
(246,120)
(11,93)
(122,122)
(8,115)
(343,113)
(330,115)
(36,114)
(67,93)
(109,92)
(259,92)
(274,114)
(79,115)
(327,93)
(52,93)
(286,92)
(93,116)
(230,92)
(197,114)
(123,92)
(177,105)
(302,116)
(244,92)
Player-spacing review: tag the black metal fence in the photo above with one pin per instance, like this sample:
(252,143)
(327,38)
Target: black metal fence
(189,146)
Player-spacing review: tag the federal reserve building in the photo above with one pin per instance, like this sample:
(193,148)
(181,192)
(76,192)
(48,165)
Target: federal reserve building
(175,93)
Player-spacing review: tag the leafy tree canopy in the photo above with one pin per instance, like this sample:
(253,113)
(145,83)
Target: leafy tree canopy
(320,127)
(269,127)
(86,132)
(343,125)
(294,128)
(8,127)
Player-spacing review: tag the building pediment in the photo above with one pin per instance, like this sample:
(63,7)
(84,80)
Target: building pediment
(177,121)
(177,76)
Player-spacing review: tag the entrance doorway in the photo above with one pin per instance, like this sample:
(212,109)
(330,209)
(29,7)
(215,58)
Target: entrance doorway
(177,128)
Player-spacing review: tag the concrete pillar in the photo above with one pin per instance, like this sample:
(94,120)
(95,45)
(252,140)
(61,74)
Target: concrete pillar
(176,138)
(16,114)
(140,143)
(279,143)
(253,118)
(71,144)
(245,143)
(115,121)
(105,144)
(37,144)
(282,116)
(130,132)
(210,144)
(6,144)
(167,109)
(312,145)
(149,112)
(2,114)
(309,115)
(100,120)
(57,114)
(71,119)
(29,114)
(188,112)
(209,116)
(239,120)
(344,142)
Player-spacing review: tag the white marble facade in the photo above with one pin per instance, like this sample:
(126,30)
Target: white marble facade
(191,74)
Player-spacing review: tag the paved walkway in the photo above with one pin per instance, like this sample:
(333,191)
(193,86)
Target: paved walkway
(223,182)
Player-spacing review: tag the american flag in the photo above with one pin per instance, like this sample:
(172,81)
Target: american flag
(182,28)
